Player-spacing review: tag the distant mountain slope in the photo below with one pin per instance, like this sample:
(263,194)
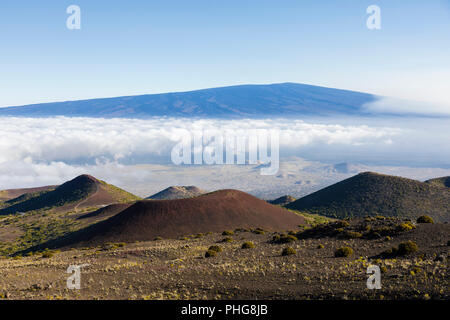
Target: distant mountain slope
(81,192)
(372,194)
(215,212)
(9,194)
(285,99)
(177,192)
(282,201)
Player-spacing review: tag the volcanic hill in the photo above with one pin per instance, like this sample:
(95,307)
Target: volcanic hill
(9,194)
(377,194)
(82,192)
(212,212)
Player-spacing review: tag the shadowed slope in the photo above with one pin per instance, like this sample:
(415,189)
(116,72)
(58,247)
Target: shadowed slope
(215,212)
(104,213)
(372,194)
(282,201)
(442,182)
(10,194)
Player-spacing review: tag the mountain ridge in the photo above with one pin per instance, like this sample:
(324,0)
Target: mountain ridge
(281,99)
(370,193)
(82,191)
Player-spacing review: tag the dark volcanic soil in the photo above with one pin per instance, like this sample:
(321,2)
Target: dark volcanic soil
(178,269)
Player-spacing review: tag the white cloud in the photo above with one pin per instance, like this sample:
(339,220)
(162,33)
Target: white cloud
(400,106)
(72,140)
(43,151)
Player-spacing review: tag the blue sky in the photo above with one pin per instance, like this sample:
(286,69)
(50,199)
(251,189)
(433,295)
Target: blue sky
(137,47)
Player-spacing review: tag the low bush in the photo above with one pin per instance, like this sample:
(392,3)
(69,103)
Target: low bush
(47,254)
(343,252)
(227,233)
(403,249)
(351,235)
(210,254)
(258,231)
(248,245)
(407,247)
(405,226)
(215,248)
(227,239)
(341,224)
(425,219)
(284,238)
(288,251)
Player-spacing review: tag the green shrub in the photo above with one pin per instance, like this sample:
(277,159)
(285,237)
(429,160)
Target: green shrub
(284,238)
(227,233)
(210,254)
(405,226)
(341,224)
(215,248)
(320,246)
(157,239)
(407,247)
(390,253)
(276,238)
(258,231)
(227,239)
(47,254)
(374,235)
(288,251)
(248,245)
(343,252)
(351,235)
(403,248)
(425,219)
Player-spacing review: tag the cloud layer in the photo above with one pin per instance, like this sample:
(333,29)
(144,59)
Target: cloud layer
(39,151)
(81,140)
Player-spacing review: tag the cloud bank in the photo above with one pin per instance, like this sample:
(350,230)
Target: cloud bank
(400,106)
(42,151)
(87,140)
